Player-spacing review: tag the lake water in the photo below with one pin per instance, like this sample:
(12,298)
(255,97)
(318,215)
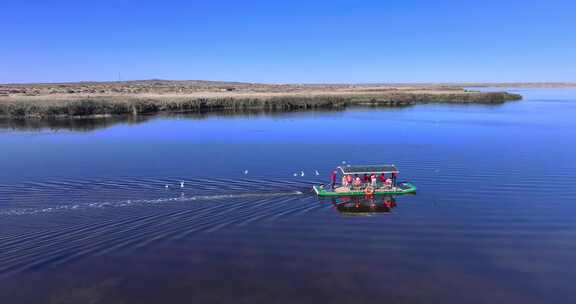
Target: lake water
(94,211)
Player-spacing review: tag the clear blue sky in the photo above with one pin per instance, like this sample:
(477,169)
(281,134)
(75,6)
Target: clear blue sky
(288,41)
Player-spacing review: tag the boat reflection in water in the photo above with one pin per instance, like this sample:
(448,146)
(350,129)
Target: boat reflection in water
(364,204)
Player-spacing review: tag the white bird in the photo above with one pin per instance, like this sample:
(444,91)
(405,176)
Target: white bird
(317,173)
(295,174)
(245,172)
(166,186)
(181,184)
(301,173)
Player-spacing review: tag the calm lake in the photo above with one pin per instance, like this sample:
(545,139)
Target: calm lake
(218,208)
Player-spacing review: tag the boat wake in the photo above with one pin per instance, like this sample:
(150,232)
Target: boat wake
(46,224)
(140,202)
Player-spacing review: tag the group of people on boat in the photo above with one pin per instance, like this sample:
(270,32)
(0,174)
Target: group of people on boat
(373,180)
(365,181)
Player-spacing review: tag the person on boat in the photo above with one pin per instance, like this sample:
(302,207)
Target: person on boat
(348,180)
(366,179)
(345,182)
(382,179)
(388,182)
(334,173)
(373,180)
(357,182)
(394,175)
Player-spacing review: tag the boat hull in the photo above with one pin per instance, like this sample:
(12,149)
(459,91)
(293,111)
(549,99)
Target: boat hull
(406,188)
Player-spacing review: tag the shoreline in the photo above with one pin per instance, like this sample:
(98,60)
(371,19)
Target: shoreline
(74,100)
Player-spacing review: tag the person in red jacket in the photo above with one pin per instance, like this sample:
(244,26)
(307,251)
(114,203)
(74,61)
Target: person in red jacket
(334,173)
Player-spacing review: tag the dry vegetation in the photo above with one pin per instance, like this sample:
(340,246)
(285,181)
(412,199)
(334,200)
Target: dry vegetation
(152,96)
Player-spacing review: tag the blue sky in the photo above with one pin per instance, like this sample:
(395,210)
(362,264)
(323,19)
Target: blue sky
(288,41)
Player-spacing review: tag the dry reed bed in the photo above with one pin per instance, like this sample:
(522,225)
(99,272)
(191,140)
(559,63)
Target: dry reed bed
(239,99)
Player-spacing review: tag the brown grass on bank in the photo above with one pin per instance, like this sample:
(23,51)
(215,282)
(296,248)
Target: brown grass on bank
(93,99)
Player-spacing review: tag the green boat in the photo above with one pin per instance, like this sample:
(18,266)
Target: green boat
(356,183)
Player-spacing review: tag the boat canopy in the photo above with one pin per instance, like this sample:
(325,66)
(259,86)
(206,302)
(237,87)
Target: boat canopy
(377,169)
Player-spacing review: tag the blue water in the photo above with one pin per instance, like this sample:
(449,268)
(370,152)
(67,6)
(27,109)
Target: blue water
(96,212)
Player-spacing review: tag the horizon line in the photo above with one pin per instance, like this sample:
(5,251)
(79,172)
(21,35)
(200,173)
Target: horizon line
(567,82)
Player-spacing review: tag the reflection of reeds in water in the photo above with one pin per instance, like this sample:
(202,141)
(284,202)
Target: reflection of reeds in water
(84,124)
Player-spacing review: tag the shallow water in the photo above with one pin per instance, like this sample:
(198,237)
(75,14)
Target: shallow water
(97,213)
